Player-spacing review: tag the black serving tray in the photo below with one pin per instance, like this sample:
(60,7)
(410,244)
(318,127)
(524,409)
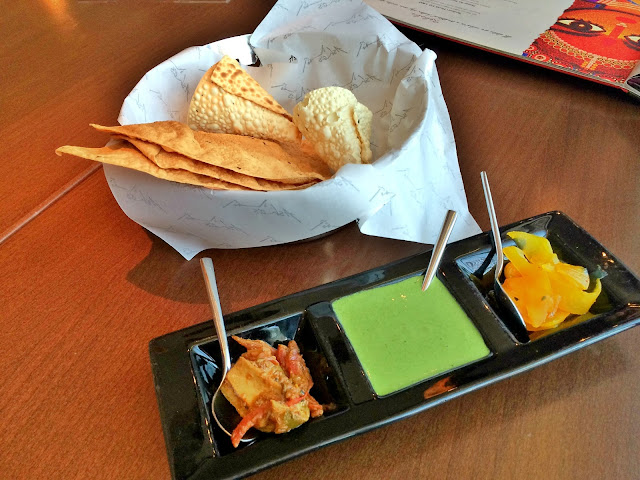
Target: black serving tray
(185,363)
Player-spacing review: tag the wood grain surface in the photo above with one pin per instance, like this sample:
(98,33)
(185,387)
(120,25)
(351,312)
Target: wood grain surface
(83,289)
(71,63)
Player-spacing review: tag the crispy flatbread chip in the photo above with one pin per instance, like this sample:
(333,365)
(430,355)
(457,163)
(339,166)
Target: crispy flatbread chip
(363,118)
(287,163)
(231,77)
(124,154)
(228,100)
(338,126)
(172,160)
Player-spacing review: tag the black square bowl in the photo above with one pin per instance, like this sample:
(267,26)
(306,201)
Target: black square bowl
(206,361)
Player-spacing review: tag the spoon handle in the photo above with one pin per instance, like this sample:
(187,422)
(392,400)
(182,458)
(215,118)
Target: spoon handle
(214,300)
(495,228)
(438,249)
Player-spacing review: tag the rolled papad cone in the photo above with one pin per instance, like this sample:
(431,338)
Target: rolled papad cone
(292,163)
(168,160)
(228,100)
(123,154)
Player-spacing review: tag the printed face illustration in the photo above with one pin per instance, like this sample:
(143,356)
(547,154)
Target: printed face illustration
(603,31)
(599,37)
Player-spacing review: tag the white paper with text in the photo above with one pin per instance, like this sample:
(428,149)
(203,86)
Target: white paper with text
(505,25)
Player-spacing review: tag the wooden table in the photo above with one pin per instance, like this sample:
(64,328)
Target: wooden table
(83,289)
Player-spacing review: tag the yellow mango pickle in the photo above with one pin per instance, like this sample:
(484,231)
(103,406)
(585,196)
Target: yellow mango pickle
(519,261)
(578,274)
(559,317)
(545,290)
(511,271)
(537,249)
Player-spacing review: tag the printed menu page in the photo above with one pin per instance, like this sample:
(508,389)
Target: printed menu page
(506,25)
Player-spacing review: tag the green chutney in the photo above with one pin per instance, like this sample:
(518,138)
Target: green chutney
(403,335)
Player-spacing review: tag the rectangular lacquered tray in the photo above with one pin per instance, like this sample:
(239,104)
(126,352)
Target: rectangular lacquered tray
(185,363)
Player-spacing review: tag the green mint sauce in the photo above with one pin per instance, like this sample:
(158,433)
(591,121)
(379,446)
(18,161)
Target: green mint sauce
(403,335)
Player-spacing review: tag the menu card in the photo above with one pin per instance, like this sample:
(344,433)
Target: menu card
(594,39)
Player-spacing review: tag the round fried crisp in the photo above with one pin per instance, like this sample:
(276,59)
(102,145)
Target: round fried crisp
(338,126)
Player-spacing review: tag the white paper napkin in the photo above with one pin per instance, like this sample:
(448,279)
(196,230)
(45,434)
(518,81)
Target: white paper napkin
(413,180)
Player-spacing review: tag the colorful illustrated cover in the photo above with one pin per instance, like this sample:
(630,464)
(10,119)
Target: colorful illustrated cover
(594,39)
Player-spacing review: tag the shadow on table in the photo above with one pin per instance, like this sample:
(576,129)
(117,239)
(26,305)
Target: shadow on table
(165,273)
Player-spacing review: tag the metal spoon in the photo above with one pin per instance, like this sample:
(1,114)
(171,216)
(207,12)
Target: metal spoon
(519,327)
(223,412)
(438,249)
